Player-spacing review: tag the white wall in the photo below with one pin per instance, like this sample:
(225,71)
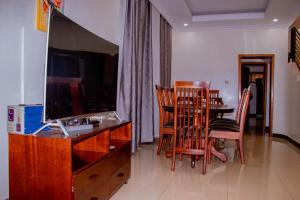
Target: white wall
(213,55)
(292,94)
(10,66)
(22,54)
(101,17)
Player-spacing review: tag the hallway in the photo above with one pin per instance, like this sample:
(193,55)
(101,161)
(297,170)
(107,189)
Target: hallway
(254,126)
(270,173)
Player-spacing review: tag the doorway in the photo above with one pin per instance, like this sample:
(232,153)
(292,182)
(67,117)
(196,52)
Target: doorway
(257,70)
(255,74)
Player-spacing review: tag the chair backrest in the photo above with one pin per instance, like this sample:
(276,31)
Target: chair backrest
(164,97)
(240,105)
(214,97)
(244,111)
(191,115)
(159,95)
(202,84)
(168,96)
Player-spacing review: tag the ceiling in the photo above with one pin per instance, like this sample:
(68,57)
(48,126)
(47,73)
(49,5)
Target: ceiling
(220,7)
(227,13)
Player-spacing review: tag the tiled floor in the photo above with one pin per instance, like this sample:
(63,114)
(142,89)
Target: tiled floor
(272,171)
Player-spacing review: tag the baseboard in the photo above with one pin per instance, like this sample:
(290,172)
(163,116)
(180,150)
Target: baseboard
(286,137)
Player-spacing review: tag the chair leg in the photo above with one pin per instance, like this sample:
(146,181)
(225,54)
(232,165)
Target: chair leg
(205,161)
(163,146)
(211,143)
(209,152)
(165,143)
(238,149)
(241,150)
(159,144)
(173,160)
(173,154)
(181,144)
(169,142)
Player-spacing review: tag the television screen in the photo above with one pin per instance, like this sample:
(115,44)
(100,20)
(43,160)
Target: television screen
(81,70)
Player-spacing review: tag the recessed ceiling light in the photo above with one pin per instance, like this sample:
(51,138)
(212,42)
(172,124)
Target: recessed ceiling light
(275,20)
(185,24)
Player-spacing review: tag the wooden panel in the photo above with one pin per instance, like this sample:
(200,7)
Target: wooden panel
(119,177)
(97,143)
(118,143)
(91,183)
(40,168)
(82,159)
(21,179)
(122,133)
(90,150)
(119,157)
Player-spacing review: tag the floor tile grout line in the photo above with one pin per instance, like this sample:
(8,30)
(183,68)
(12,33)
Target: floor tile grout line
(163,191)
(286,187)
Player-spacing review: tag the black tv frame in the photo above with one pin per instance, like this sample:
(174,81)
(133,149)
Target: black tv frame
(45,119)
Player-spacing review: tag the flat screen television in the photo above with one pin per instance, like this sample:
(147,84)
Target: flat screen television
(80,71)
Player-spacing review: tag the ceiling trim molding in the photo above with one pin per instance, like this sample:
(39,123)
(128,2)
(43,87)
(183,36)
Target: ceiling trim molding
(187,7)
(229,16)
(234,27)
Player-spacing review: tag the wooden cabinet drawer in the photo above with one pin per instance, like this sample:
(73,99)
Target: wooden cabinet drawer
(99,192)
(119,177)
(91,182)
(119,158)
(100,180)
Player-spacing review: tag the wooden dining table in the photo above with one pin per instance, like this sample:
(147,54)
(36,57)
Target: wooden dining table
(217,110)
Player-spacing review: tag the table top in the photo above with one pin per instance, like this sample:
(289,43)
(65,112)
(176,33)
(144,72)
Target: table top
(213,108)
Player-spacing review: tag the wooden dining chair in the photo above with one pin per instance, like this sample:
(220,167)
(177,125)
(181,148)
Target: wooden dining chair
(202,84)
(231,131)
(168,98)
(190,130)
(237,115)
(166,123)
(214,100)
(214,97)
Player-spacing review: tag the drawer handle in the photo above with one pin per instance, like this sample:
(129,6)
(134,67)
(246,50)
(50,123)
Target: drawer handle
(93,176)
(120,175)
(94,198)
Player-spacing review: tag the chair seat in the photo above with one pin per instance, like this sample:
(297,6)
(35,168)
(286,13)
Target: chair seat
(224,127)
(223,120)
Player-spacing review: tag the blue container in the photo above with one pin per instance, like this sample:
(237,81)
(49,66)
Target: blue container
(24,119)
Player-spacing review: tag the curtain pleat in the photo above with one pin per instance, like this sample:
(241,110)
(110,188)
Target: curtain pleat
(135,86)
(165,52)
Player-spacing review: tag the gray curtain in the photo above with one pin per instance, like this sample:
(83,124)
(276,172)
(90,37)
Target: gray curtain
(165,52)
(135,86)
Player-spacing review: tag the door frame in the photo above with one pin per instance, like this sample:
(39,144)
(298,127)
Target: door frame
(271,80)
(265,75)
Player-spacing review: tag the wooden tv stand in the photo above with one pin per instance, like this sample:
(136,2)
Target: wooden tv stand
(90,165)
